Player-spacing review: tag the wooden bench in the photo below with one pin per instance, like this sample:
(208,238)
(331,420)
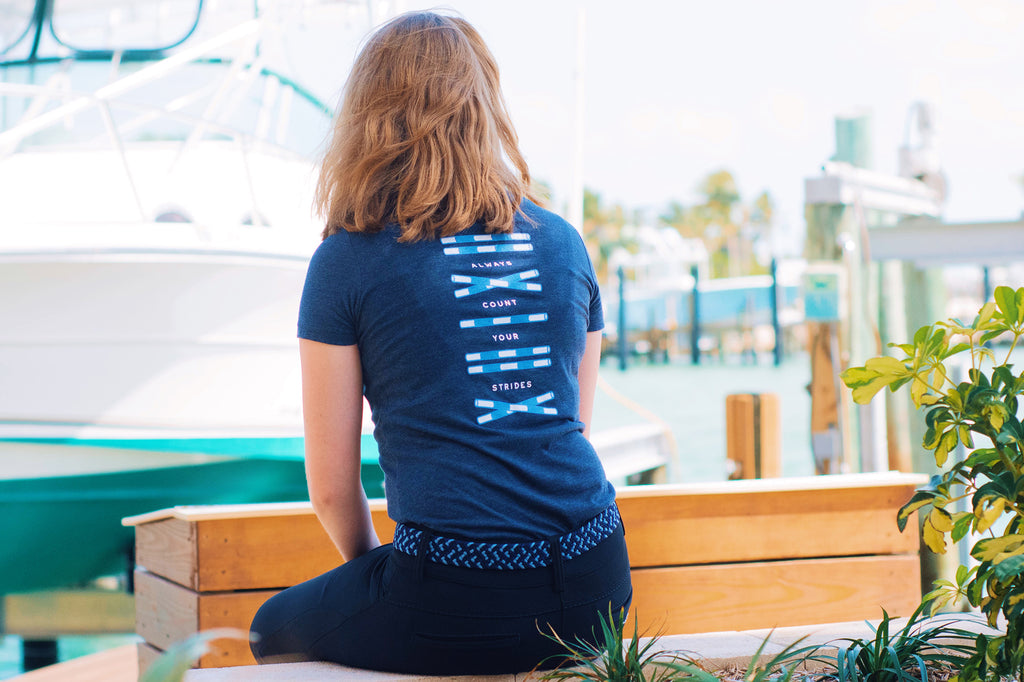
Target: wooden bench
(737,555)
(39,618)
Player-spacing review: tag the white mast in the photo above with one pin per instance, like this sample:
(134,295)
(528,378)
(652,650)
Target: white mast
(575,208)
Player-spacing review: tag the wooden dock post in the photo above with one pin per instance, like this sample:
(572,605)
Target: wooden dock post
(753,435)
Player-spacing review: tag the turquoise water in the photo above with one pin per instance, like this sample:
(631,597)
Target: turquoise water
(690,400)
(67,648)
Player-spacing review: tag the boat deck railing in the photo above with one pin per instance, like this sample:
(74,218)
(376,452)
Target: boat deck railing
(116,115)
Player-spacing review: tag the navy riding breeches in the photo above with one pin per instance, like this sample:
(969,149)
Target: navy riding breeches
(392,611)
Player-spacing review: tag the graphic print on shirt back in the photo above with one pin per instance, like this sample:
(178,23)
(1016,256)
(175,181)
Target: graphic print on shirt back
(510,355)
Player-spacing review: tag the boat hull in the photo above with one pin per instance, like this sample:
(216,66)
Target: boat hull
(156,338)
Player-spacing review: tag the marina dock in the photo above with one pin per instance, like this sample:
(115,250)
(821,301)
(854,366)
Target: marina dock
(689,400)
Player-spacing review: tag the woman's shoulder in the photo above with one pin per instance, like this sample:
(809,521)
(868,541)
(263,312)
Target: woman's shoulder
(548,224)
(542,217)
(344,242)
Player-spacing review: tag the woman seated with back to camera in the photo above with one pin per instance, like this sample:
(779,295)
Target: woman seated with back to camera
(471,320)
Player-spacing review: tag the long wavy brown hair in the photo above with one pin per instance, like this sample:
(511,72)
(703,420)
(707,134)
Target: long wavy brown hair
(422,136)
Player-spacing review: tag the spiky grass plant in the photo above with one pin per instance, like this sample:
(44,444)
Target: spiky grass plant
(783,666)
(904,655)
(611,659)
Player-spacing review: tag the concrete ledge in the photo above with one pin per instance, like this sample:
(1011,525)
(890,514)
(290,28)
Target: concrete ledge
(714,651)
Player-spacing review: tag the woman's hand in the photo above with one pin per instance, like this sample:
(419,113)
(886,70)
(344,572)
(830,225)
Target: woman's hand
(332,410)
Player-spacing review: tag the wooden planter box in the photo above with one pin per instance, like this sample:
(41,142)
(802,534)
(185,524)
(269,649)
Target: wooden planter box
(706,557)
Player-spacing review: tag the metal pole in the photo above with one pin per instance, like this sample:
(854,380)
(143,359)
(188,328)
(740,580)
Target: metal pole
(776,327)
(575,212)
(623,346)
(38,653)
(695,318)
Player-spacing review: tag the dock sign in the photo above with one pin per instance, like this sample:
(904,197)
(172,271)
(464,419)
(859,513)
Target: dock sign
(821,296)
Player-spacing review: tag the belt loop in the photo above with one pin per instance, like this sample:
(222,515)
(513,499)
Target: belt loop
(422,548)
(555,547)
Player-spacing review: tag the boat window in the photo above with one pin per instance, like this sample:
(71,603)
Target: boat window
(112,25)
(15,22)
(255,219)
(173,216)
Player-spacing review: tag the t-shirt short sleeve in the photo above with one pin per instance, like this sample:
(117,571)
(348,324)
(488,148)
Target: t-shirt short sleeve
(596,321)
(326,310)
(596,312)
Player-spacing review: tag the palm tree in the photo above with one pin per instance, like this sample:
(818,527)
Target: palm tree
(727,226)
(602,230)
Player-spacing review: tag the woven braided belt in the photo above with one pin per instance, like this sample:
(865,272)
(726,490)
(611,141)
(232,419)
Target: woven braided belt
(508,555)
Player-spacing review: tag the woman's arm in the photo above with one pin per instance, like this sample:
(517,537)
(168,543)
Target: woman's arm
(332,410)
(588,379)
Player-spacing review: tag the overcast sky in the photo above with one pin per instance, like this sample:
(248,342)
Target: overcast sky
(675,90)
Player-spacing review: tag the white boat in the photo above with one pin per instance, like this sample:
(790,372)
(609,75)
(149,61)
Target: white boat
(156,177)
(156,183)
(150,266)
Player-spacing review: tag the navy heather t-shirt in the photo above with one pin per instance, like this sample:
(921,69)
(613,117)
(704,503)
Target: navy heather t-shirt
(470,347)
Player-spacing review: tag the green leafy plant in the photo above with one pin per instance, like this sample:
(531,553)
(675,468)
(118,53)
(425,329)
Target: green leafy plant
(906,655)
(612,659)
(990,477)
(179,658)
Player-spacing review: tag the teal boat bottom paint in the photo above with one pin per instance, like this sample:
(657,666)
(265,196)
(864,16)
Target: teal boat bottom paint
(67,528)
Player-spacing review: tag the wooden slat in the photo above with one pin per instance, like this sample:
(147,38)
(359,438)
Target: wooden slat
(785,485)
(664,529)
(231,610)
(165,612)
(167,547)
(691,599)
(258,553)
(168,613)
(147,655)
(205,512)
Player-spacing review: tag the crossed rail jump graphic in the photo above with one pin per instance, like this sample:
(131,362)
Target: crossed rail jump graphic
(503,409)
(481,284)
